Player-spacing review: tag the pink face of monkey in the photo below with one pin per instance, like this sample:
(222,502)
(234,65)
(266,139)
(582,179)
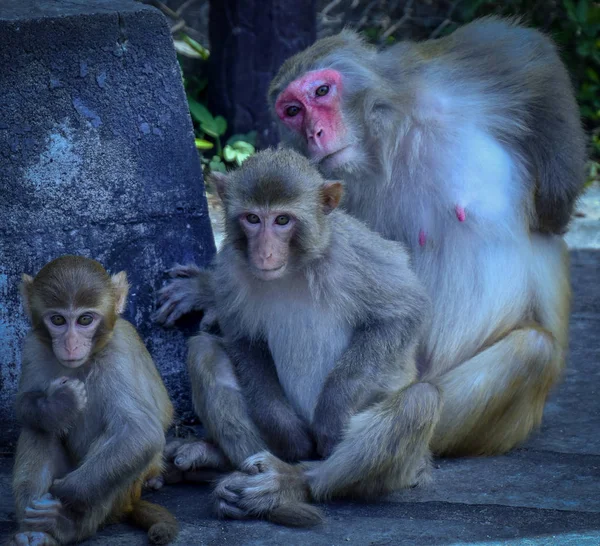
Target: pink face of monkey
(311,107)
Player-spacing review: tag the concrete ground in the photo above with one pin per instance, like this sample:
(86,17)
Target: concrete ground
(545,493)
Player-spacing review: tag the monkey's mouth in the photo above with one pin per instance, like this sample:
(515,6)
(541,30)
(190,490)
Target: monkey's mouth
(334,159)
(269,274)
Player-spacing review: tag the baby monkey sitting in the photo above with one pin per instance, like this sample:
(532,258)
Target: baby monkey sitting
(321,319)
(93,408)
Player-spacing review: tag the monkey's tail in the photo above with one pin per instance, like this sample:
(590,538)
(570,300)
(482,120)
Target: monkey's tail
(296,514)
(161,525)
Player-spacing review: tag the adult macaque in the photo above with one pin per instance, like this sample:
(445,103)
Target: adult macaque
(93,409)
(321,318)
(469,149)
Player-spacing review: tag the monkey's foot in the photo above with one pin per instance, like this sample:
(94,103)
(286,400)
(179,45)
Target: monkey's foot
(32,538)
(266,487)
(196,455)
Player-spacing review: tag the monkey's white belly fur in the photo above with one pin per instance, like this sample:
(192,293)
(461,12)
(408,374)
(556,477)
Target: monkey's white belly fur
(303,365)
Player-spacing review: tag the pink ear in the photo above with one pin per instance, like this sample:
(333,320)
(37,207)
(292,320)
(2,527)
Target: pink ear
(220,180)
(121,288)
(331,195)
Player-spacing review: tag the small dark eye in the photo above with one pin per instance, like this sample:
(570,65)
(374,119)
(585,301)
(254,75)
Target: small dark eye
(292,111)
(322,91)
(57,320)
(282,220)
(85,320)
(253,219)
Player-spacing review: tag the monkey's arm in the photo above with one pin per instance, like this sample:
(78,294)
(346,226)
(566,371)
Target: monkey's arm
(286,433)
(190,290)
(52,410)
(133,435)
(379,356)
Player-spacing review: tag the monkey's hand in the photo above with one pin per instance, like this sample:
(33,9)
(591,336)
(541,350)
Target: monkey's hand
(65,400)
(72,493)
(47,514)
(266,487)
(190,290)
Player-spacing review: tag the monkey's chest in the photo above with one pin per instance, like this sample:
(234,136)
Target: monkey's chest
(305,345)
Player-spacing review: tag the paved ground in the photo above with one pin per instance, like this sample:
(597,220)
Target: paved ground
(546,493)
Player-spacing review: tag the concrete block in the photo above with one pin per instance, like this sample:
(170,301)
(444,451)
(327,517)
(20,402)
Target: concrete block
(96,158)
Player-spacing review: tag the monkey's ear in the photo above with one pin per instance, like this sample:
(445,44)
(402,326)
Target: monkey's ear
(121,288)
(24,288)
(331,195)
(220,180)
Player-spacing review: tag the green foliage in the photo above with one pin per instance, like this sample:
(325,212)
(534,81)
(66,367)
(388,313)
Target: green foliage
(209,130)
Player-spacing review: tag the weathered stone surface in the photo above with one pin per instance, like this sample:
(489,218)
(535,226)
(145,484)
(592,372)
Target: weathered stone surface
(544,494)
(97,158)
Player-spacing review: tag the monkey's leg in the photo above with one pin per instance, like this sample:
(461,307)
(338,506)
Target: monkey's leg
(220,404)
(384,448)
(494,400)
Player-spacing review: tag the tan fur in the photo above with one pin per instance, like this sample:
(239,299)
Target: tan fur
(89,472)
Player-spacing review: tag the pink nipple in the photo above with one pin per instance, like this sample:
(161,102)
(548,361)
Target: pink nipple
(460,213)
(422,238)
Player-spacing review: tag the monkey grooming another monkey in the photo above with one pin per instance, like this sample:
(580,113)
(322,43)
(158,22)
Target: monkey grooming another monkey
(469,150)
(321,318)
(93,408)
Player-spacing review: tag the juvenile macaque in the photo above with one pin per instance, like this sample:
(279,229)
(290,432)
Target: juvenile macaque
(321,319)
(93,409)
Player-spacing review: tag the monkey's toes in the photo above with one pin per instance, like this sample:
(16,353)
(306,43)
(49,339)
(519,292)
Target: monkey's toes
(259,463)
(33,538)
(155,483)
(191,455)
(171,448)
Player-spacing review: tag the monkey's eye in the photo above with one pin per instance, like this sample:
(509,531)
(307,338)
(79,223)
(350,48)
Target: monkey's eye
(322,91)
(292,111)
(57,320)
(253,219)
(85,320)
(282,220)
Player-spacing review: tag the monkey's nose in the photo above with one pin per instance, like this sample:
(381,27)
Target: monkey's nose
(315,133)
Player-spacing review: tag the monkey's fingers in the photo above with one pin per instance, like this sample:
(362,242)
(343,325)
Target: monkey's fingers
(171,448)
(189,270)
(224,510)
(40,524)
(200,454)
(33,538)
(46,502)
(154,483)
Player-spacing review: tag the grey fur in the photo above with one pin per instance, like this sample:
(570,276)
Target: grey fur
(333,339)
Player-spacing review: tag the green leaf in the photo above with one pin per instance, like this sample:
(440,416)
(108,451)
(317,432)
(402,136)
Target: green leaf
(217,165)
(582,11)
(592,75)
(570,7)
(199,112)
(202,144)
(229,153)
(243,147)
(200,49)
(250,138)
(220,125)
(210,128)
